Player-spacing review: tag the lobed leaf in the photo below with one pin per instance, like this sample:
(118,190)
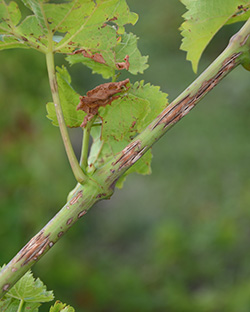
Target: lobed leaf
(203,19)
(61,307)
(132,112)
(29,290)
(121,121)
(80,24)
(69,100)
(125,46)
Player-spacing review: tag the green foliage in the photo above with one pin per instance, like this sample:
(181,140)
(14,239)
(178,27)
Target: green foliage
(69,100)
(27,293)
(204,19)
(61,307)
(126,44)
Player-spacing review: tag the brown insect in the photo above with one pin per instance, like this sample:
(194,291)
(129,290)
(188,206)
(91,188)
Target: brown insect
(100,96)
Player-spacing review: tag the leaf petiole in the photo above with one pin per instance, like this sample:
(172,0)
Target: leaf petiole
(85,144)
(20,307)
(77,171)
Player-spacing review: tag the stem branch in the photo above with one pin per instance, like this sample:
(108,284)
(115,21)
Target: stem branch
(77,171)
(20,307)
(85,145)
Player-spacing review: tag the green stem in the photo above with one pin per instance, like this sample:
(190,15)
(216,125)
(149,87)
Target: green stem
(85,145)
(77,171)
(20,307)
(84,197)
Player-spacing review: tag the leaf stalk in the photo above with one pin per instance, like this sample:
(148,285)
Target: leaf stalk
(77,170)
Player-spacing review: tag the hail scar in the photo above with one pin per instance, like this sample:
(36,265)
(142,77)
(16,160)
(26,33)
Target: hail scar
(174,112)
(75,199)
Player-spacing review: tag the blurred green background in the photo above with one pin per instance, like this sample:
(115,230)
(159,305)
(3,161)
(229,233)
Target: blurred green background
(177,240)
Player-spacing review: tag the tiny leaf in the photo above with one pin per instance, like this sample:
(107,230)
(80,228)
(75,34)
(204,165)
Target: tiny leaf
(61,307)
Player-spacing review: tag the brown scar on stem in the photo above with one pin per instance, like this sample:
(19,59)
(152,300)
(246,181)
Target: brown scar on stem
(173,113)
(35,247)
(69,221)
(6,287)
(101,195)
(75,199)
(245,40)
(130,154)
(82,213)
(60,234)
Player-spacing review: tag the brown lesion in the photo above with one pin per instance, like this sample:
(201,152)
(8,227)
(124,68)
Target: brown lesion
(123,65)
(174,112)
(35,248)
(97,57)
(102,95)
(130,154)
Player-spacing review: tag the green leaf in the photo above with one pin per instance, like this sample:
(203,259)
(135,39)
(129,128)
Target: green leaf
(61,307)
(132,112)
(105,70)
(10,16)
(242,14)
(89,30)
(37,7)
(121,118)
(32,31)
(9,305)
(69,100)
(156,98)
(15,35)
(203,20)
(101,152)
(10,42)
(81,24)
(126,45)
(31,292)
